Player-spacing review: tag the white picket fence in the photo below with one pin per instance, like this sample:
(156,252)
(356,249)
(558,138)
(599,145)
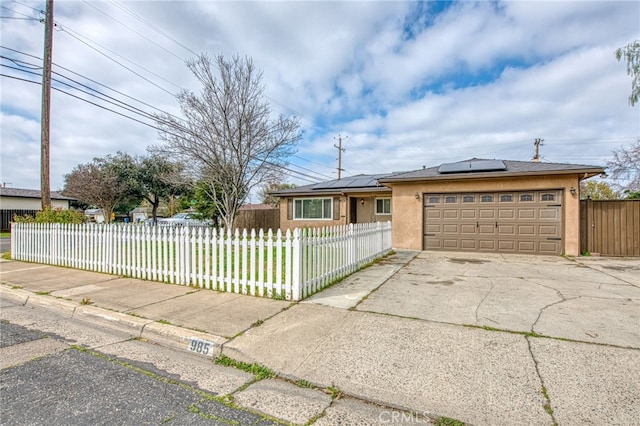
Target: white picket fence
(291,265)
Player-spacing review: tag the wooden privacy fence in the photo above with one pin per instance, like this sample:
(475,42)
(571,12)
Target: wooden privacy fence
(611,227)
(258,219)
(288,266)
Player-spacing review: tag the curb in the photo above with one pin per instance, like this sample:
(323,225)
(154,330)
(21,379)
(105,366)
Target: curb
(140,328)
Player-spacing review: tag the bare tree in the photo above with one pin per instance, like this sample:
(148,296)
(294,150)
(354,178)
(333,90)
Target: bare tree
(631,55)
(268,188)
(227,134)
(625,166)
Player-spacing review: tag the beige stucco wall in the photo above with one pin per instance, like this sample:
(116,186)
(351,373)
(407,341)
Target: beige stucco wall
(20,203)
(408,211)
(366,214)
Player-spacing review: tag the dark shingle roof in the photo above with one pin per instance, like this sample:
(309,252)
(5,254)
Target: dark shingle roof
(31,193)
(513,168)
(473,168)
(358,183)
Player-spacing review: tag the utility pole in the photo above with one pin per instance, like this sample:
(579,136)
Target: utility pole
(537,143)
(45,184)
(340,151)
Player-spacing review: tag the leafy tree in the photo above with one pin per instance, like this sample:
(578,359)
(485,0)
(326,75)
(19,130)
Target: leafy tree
(158,179)
(49,215)
(597,190)
(631,195)
(104,183)
(625,166)
(227,135)
(631,54)
(267,198)
(198,199)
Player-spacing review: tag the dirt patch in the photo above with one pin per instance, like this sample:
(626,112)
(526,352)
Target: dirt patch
(463,261)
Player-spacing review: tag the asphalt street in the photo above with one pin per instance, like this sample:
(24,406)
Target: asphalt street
(5,244)
(74,385)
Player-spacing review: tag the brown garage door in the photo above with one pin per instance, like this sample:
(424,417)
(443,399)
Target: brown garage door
(505,222)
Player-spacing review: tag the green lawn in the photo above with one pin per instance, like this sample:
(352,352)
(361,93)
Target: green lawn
(5,234)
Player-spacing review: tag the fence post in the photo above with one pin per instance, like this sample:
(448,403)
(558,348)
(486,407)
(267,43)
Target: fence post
(296,284)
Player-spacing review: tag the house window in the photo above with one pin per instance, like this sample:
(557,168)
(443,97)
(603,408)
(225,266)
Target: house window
(548,197)
(434,200)
(450,199)
(506,198)
(526,197)
(313,208)
(468,199)
(487,199)
(383,205)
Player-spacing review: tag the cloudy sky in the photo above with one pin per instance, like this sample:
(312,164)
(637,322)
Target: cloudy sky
(405,84)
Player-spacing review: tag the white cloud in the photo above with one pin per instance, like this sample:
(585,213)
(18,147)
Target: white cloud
(479,79)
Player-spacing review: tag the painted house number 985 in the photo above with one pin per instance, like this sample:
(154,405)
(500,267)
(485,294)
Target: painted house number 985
(200,346)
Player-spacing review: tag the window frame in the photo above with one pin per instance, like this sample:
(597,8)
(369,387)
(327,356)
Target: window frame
(383,199)
(325,216)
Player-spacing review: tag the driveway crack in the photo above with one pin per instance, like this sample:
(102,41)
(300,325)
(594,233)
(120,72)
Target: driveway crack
(483,299)
(545,394)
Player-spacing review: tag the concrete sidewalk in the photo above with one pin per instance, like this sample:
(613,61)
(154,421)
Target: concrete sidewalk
(344,338)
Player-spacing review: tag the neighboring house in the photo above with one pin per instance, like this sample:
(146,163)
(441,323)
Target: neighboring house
(29,199)
(139,214)
(475,205)
(95,215)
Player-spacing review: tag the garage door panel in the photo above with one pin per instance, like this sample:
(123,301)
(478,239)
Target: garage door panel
(506,214)
(507,229)
(532,225)
(450,214)
(486,214)
(549,247)
(451,228)
(489,245)
(468,244)
(526,214)
(549,230)
(433,228)
(469,214)
(527,246)
(451,243)
(487,229)
(432,243)
(526,230)
(507,245)
(549,213)
(468,229)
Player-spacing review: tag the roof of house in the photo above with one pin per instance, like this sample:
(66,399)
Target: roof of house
(483,168)
(351,184)
(31,193)
(473,168)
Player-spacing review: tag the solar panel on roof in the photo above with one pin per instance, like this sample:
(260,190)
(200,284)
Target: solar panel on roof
(472,166)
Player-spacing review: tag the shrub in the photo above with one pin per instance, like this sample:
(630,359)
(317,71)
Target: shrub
(52,216)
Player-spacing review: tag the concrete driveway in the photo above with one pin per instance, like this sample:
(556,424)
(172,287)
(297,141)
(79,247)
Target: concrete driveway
(594,300)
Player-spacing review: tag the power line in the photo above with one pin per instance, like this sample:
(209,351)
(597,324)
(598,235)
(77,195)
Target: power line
(150,25)
(298,174)
(71,33)
(131,29)
(88,79)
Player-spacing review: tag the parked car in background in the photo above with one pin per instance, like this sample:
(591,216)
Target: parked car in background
(181,219)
